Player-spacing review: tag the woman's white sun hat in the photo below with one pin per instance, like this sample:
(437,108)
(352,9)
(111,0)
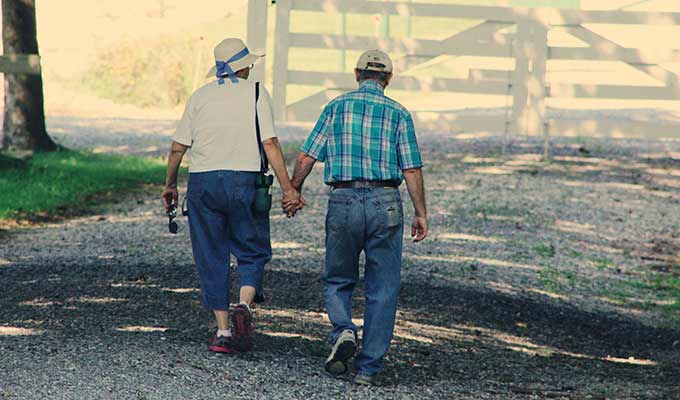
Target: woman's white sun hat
(232,55)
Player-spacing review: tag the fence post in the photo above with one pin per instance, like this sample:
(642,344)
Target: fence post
(537,82)
(257,34)
(343,32)
(281,58)
(409,23)
(528,83)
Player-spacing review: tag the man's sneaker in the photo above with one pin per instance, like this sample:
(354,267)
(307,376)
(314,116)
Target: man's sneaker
(343,350)
(363,379)
(221,344)
(242,328)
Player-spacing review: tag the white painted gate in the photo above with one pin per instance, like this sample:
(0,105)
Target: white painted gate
(526,84)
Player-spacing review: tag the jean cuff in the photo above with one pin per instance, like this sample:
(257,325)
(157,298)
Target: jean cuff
(333,336)
(216,303)
(252,278)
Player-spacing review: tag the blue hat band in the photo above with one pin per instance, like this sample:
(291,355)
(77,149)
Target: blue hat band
(223,67)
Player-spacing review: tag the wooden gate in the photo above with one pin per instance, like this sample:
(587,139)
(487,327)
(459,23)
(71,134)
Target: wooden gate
(517,34)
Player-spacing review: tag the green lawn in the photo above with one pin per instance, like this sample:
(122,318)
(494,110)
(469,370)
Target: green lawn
(51,180)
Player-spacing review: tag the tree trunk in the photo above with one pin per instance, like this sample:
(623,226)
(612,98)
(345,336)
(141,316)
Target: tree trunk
(24,121)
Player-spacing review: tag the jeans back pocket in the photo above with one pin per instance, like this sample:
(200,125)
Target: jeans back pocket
(337,215)
(394,216)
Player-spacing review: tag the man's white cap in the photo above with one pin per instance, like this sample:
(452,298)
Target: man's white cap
(375,60)
(233,48)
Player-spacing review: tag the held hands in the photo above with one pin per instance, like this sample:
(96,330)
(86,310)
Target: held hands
(170,197)
(292,202)
(418,228)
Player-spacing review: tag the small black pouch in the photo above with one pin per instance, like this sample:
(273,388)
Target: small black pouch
(264,181)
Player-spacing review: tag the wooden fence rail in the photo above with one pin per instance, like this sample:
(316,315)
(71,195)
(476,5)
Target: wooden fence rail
(20,64)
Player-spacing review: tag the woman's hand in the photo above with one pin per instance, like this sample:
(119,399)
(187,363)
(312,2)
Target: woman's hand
(170,197)
(292,202)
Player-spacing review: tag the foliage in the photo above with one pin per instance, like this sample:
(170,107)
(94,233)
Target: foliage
(151,73)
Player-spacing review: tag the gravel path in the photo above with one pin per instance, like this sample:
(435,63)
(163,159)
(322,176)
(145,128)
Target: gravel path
(537,282)
(142,137)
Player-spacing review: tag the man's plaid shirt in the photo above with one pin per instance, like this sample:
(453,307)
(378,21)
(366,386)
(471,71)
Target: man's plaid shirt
(364,135)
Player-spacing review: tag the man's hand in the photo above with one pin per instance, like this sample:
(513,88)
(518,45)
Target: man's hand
(291,202)
(290,208)
(170,196)
(418,229)
(416,188)
(303,166)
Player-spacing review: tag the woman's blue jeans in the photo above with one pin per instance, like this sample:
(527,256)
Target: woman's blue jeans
(222,222)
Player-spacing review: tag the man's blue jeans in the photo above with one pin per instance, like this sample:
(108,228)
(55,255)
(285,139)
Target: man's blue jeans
(222,222)
(369,220)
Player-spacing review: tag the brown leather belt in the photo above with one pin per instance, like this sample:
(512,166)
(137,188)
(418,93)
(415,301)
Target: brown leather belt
(364,184)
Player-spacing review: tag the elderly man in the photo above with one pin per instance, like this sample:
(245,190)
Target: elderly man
(369,145)
(228,126)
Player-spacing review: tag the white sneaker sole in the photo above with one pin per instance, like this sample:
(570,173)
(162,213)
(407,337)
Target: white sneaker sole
(336,363)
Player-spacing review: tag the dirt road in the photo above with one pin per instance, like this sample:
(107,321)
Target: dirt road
(539,280)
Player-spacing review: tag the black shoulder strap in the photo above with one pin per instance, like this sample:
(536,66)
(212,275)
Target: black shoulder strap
(264,163)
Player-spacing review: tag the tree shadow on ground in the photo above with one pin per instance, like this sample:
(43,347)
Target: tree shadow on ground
(446,332)
(595,166)
(472,332)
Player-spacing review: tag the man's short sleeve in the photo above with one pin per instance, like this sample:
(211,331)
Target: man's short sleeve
(315,145)
(265,116)
(408,153)
(183,133)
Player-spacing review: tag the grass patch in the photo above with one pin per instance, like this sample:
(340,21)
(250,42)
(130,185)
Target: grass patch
(663,287)
(671,286)
(545,250)
(601,263)
(555,280)
(576,254)
(616,295)
(665,283)
(500,210)
(51,180)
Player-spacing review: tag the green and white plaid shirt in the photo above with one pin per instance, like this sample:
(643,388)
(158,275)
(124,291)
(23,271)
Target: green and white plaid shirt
(364,135)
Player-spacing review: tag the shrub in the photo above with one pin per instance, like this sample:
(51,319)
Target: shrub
(148,73)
